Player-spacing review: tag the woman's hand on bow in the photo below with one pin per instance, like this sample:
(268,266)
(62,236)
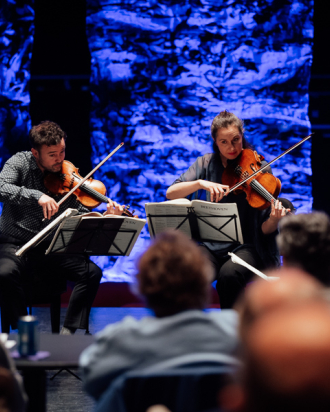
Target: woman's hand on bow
(217,191)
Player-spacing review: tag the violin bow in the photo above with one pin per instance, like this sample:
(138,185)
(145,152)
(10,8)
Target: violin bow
(81,182)
(239,261)
(269,163)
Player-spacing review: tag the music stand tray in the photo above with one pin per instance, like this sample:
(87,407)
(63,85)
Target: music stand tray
(97,236)
(201,221)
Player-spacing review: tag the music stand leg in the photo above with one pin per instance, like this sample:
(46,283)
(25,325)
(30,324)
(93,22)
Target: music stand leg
(65,369)
(88,267)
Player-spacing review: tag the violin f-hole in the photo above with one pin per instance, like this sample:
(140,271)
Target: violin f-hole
(252,167)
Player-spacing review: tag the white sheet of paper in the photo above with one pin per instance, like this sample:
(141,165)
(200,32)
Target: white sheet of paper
(122,238)
(218,214)
(166,209)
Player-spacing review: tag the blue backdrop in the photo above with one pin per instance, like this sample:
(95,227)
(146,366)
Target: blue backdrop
(16,38)
(162,71)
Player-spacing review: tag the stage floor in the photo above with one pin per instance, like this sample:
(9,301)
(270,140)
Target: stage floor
(99,317)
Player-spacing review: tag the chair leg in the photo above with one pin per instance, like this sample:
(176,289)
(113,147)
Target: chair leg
(55,313)
(29,297)
(5,324)
(87,328)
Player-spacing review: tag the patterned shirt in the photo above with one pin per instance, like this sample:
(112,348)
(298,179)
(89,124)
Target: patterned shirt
(21,186)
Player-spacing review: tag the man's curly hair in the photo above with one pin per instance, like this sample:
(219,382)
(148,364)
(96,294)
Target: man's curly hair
(174,274)
(46,133)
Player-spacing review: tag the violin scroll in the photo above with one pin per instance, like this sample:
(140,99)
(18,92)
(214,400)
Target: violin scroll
(128,213)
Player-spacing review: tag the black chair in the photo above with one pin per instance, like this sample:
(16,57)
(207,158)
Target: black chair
(191,387)
(38,292)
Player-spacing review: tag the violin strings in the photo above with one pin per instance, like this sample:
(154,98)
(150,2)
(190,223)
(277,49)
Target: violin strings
(261,190)
(94,193)
(257,186)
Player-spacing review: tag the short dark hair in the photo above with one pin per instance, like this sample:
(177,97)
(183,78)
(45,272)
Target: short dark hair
(46,133)
(222,121)
(304,241)
(174,274)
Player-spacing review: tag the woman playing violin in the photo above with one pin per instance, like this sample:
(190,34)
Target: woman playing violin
(26,203)
(259,227)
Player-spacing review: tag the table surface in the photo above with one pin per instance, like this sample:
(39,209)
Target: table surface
(64,351)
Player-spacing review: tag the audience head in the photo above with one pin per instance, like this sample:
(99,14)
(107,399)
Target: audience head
(282,326)
(304,241)
(158,408)
(287,360)
(260,297)
(174,274)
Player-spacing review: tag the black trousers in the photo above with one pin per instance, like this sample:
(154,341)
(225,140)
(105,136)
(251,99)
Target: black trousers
(76,268)
(231,277)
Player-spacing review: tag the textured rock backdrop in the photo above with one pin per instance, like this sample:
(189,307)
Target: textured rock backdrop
(162,71)
(16,38)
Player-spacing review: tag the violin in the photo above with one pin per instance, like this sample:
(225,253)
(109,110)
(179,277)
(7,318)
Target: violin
(90,193)
(260,188)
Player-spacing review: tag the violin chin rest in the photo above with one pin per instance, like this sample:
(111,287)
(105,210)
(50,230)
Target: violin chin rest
(287,204)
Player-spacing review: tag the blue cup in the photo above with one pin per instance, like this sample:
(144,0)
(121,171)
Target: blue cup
(27,335)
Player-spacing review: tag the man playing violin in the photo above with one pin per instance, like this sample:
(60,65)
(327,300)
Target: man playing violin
(27,208)
(259,227)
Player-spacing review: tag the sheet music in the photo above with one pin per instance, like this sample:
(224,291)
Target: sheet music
(46,231)
(161,223)
(219,214)
(69,225)
(123,238)
(66,231)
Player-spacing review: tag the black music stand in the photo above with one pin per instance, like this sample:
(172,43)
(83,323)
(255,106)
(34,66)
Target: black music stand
(195,220)
(94,237)
(91,237)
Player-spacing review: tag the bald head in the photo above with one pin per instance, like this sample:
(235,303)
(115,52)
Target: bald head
(260,297)
(287,359)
